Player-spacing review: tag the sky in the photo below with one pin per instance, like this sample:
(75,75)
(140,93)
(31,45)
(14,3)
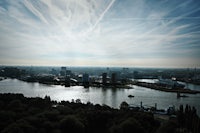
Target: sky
(131,33)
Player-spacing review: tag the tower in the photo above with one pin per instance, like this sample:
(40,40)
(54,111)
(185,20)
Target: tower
(104,78)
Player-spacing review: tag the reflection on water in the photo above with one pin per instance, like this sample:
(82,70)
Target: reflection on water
(148,80)
(111,97)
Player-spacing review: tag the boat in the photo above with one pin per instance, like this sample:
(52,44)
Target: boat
(130,96)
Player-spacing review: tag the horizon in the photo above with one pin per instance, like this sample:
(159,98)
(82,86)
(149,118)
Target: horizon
(130,67)
(107,33)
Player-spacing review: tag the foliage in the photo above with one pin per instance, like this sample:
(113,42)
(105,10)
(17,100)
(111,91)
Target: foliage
(19,114)
(72,124)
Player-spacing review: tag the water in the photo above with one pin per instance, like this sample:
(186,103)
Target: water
(148,80)
(108,96)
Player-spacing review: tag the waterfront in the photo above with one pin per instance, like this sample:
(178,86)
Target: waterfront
(108,96)
(187,85)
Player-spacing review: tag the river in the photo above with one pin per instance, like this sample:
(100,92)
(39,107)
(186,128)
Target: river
(108,96)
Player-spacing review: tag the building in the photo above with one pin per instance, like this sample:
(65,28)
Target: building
(63,71)
(104,78)
(67,81)
(68,73)
(85,80)
(113,78)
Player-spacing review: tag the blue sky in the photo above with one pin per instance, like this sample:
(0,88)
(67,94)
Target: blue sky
(133,33)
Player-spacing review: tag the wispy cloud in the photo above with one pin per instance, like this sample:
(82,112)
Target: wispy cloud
(102,15)
(100,32)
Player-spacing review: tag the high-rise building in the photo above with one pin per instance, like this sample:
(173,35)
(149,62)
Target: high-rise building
(85,80)
(68,73)
(67,81)
(104,78)
(63,71)
(113,78)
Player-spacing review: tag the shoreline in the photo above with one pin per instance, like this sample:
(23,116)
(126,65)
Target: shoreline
(165,89)
(94,84)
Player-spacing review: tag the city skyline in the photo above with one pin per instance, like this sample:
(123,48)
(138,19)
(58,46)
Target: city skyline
(139,33)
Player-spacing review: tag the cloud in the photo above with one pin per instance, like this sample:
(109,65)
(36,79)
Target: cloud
(102,15)
(106,32)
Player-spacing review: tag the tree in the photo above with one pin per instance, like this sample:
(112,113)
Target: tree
(20,126)
(130,125)
(124,105)
(71,124)
(168,127)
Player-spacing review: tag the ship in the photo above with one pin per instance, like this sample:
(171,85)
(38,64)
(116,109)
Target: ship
(130,96)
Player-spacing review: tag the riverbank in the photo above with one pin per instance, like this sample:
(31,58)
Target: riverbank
(87,85)
(2,78)
(195,82)
(159,87)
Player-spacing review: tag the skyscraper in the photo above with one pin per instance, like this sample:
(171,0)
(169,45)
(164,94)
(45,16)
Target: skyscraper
(85,80)
(63,71)
(113,78)
(104,78)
